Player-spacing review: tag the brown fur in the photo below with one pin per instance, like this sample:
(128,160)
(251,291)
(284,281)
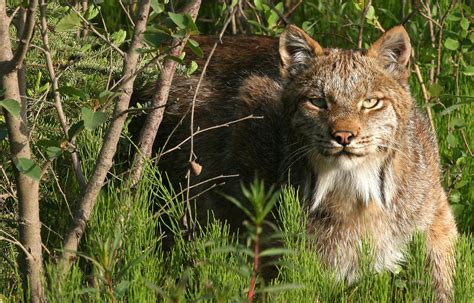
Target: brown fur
(384,185)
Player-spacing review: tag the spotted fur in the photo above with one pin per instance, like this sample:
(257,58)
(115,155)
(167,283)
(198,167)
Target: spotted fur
(383,186)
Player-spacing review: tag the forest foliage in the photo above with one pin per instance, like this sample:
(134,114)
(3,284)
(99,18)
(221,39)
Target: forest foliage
(124,255)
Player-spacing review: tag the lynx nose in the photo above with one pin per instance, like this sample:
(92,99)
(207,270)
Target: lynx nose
(343,137)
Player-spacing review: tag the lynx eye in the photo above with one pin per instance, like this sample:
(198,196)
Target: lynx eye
(371,103)
(318,102)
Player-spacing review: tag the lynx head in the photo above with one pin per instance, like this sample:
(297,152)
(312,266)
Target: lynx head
(350,107)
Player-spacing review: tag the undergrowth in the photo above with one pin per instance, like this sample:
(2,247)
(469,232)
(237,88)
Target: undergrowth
(134,249)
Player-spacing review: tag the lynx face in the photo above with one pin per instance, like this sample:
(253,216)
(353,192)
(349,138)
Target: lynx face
(349,107)
(342,111)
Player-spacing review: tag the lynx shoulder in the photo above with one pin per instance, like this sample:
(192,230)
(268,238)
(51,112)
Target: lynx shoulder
(341,123)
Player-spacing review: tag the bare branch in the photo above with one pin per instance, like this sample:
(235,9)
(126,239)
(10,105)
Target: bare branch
(125,10)
(227,124)
(17,243)
(440,39)
(99,35)
(160,98)
(191,151)
(12,16)
(84,6)
(426,97)
(109,147)
(426,7)
(76,164)
(23,45)
(367,6)
(205,182)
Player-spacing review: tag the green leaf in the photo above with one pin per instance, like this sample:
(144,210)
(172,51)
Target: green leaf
(28,167)
(455,197)
(468,71)
(119,37)
(75,129)
(68,23)
(258,4)
(92,120)
(91,13)
(451,44)
(157,7)
(178,19)
(156,38)
(191,26)
(458,122)
(121,288)
(239,205)
(11,106)
(370,13)
(53,149)
(53,152)
(435,90)
(464,23)
(107,95)
(452,140)
(276,252)
(191,68)
(450,109)
(454,17)
(184,21)
(73,92)
(461,184)
(194,46)
(278,288)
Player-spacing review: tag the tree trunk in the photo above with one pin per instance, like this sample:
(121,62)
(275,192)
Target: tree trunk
(109,147)
(31,263)
(160,98)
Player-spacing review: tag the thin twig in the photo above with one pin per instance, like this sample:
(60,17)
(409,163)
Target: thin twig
(205,182)
(12,16)
(426,7)
(14,241)
(206,190)
(130,19)
(203,72)
(76,163)
(199,131)
(24,43)
(99,35)
(440,40)
(466,143)
(362,22)
(424,92)
(163,85)
(109,147)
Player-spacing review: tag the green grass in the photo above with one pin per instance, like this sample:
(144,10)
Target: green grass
(123,255)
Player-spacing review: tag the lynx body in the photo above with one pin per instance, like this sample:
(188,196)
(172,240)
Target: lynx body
(338,124)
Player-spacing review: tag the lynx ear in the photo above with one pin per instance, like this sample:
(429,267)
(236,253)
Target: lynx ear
(297,50)
(393,47)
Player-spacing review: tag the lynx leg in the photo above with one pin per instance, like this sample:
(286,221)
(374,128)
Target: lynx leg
(441,239)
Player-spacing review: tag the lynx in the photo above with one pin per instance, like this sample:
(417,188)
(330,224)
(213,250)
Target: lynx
(340,125)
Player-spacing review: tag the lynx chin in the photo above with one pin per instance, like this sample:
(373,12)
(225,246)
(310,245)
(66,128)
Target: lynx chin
(340,125)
